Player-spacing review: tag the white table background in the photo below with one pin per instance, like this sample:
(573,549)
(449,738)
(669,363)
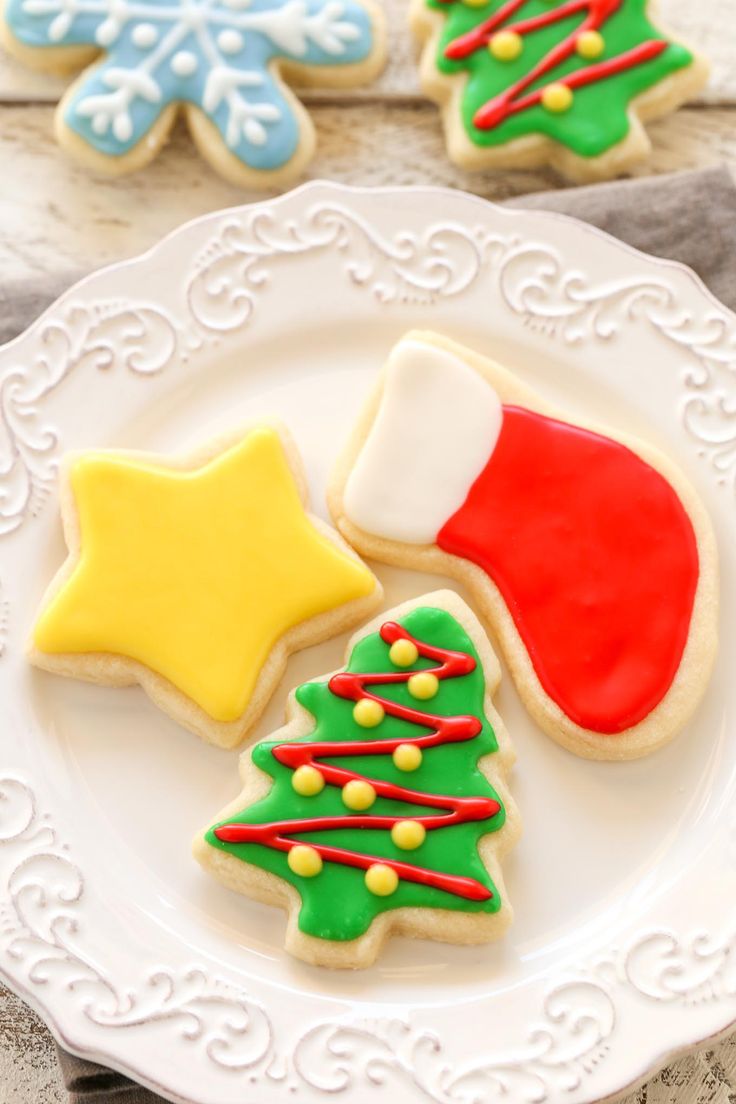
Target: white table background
(57,218)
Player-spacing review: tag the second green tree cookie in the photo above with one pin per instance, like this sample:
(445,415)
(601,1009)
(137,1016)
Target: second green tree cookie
(569,83)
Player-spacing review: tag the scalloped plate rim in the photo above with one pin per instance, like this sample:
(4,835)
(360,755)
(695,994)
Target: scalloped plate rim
(307,192)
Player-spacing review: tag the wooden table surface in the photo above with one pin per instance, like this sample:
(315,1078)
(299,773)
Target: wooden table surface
(57,218)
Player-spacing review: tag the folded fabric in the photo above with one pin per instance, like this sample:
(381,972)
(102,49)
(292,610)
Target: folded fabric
(687,217)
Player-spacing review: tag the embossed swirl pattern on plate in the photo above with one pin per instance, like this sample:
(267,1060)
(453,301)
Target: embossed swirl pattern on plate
(42,923)
(42,931)
(445,259)
(240,263)
(42,927)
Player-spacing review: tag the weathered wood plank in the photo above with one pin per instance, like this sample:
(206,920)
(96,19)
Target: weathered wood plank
(708,25)
(85,221)
(28,1069)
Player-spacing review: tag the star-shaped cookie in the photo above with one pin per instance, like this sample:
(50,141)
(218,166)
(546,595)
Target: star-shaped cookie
(196,577)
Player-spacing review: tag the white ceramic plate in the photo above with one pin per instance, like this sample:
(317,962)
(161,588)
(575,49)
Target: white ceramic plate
(625,881)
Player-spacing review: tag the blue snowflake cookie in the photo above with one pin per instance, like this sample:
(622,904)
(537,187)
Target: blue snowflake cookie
(221,60)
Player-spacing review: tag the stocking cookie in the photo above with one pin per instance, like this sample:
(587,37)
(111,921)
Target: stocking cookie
(221,63)
(381,806)
(566,82)
(196,576)
(588,551)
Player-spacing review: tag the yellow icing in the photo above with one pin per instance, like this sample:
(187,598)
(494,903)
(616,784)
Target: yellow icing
(408,834)
(407,757)
(305,860)
(381,879)
(506,45)
(590,44)
(368,713)
(423,686)
(403,653)
(308,781)
(196,574)
(358,795)
(557,98)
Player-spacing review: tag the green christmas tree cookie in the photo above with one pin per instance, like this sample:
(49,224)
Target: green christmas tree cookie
(524,82)
(381,806)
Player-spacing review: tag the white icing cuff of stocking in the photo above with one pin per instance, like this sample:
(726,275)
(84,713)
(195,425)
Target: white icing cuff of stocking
(436,427)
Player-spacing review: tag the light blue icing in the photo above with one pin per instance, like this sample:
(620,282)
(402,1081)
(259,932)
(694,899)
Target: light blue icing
(221,49)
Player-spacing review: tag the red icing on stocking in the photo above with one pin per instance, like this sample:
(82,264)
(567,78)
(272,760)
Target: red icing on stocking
(596,559)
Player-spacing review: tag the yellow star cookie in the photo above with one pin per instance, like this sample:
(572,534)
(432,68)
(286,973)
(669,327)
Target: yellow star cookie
(196,578)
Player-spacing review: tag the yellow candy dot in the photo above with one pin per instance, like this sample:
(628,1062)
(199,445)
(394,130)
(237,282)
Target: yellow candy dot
(475,3)
(423,685)
(358,795)
(408,834)
(307,781)
(368,713)
(557,98)
(403,653)
(381,879)
(506,45)
(407,757)
(590,44)
(305,860)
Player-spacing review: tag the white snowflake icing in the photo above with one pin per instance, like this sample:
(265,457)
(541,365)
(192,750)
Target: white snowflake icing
(212,53)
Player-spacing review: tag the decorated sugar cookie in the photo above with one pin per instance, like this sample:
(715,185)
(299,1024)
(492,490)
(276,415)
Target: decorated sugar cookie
(222,62)
(588,551)
(565,82)
(196,576)
(381,806)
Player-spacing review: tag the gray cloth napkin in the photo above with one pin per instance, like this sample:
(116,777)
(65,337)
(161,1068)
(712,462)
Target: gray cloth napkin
(690,217)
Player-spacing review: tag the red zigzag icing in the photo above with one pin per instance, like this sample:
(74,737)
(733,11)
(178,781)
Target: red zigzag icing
(512,101)
(446,730)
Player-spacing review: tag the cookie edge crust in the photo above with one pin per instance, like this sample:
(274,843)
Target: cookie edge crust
(690,682)
(441,925)
(83,60)
(538,151)
(108,669)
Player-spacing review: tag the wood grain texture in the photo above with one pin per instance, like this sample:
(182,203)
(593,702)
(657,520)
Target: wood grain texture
(28,1070)
(708,25)
(85,221)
